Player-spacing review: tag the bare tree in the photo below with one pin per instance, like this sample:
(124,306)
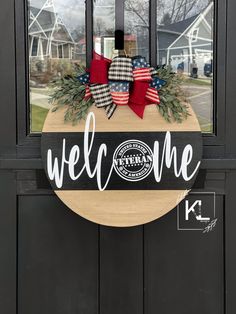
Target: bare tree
(181,9)
(138,8)
(99,26)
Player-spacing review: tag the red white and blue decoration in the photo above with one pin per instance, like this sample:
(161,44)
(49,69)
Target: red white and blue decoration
(122,81)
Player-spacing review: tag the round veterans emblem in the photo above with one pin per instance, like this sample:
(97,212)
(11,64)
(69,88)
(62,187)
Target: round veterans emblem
(133,160)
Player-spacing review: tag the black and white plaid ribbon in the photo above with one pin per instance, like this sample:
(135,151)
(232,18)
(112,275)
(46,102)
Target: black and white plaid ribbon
(121,69)
(102,97)
(110,110)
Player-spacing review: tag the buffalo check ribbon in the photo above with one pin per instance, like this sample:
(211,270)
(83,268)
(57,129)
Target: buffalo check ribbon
(121,69)
(101,95)
(110,110)
(103,99)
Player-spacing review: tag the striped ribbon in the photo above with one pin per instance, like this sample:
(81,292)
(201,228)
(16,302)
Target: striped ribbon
(121,99)
(152,95)
(142,74)
(88,93)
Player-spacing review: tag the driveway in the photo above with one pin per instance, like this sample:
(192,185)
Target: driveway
(201,99)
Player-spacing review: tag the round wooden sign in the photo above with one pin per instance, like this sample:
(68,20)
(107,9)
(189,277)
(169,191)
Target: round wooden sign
(125,171)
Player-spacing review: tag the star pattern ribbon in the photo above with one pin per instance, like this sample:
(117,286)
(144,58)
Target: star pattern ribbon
(119,92)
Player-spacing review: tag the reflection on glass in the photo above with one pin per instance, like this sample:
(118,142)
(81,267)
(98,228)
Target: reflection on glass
(56,42)
(136,24)
(104,27)
(185,41)
(137,27)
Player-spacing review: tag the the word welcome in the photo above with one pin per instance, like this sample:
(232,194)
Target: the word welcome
(166,158)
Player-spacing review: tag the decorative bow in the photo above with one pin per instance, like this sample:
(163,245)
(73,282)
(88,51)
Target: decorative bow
(119,90)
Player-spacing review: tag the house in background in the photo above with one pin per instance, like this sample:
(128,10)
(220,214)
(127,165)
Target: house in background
(52,48)
(48,35)
(194,46)
(167,34)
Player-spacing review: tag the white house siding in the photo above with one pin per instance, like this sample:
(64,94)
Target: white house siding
(191,50)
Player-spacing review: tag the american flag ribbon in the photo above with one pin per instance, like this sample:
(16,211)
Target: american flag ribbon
(152,95)
(88,93)
(119,92)
(157,83)
(139,62)
(142,74)
(84,78)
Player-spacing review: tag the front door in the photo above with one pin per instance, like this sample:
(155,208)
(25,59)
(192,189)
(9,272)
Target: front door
(54,261)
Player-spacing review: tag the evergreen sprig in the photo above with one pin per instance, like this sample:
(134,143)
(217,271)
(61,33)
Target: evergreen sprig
(69,92)
(173,103)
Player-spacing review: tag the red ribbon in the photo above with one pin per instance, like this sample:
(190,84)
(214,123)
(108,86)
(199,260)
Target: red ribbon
(97,56)
(137,99)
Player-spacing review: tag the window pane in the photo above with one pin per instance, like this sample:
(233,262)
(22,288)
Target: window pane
(137,27)
(104,27)
(56,42)
(185,41)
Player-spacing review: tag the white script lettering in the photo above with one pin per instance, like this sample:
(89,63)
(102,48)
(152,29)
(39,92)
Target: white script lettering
(167,158)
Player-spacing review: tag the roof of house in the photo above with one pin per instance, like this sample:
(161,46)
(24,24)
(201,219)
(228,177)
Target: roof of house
(46,19)
(178,27)
(167,34)
(43,21)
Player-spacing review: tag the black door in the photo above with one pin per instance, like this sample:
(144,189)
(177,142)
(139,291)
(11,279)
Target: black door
(53,261)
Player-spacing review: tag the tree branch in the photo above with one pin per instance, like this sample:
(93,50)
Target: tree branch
(133,10)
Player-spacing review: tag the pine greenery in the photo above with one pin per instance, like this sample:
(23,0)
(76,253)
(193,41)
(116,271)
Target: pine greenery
(173,103)
(69,92)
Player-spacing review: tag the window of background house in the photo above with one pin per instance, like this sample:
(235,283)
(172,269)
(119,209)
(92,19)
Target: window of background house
(56,30)
(104,27)
(185,41)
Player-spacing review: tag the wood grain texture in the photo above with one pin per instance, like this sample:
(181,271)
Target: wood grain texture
(122,208)
(123,120)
